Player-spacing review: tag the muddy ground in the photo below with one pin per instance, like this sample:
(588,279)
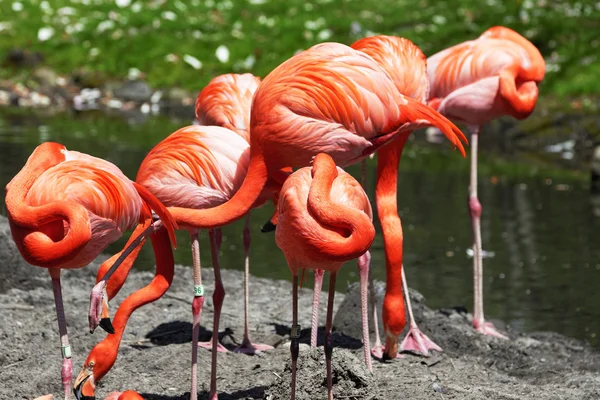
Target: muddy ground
(155,353)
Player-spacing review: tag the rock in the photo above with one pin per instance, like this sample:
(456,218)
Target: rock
(178,95)
(351,378)
(22,58)
(138,91)
(45,76)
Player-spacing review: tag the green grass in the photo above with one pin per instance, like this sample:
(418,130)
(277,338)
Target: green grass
(154,36)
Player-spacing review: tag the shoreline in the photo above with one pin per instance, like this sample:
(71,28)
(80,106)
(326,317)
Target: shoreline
(154,356)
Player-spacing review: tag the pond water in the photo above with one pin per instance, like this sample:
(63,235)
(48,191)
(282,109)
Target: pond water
(540,222)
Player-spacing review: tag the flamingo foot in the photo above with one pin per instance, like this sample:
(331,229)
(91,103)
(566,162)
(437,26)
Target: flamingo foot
(377,352)
(417,342)
(208,345)
(247,347)
(45,397)
(487,328)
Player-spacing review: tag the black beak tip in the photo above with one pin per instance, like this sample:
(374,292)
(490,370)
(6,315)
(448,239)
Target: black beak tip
(79,395)
(268,227)
(107,325)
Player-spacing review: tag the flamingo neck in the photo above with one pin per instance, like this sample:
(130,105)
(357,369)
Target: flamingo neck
(237,206)
(356,226)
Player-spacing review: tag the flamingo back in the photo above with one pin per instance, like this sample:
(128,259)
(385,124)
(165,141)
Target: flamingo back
(110,198)
(196,167)
(226,102)
(298,230)
(402,60)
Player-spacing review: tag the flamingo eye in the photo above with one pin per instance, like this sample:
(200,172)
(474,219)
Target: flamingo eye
(91,364)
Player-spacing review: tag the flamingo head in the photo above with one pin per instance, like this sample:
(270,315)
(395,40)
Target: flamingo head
(394,321)
(99,362)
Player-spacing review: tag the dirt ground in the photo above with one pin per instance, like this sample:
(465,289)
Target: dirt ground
(155,356)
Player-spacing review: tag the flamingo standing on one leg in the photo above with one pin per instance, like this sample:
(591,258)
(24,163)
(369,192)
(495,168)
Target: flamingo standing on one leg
(474,82)
(324,220)
(226,102)
(103,356)
(330,99)
(64,208)
(406,64)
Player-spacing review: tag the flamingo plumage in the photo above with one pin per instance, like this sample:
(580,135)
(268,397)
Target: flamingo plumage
(64,208)
(325,219)
(336,100)
(475,82)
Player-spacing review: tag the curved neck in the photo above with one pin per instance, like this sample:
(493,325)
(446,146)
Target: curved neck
(153,291)
(353,231)
(236,207)
(521,99)
(39,249)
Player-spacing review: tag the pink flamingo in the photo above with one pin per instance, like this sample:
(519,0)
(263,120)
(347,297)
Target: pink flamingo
(324,220)
(64,208)
(474,82)
(226,102)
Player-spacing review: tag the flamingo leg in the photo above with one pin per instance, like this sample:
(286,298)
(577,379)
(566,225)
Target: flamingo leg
(218,296)
(328,344)
(315,306)
(197,304)
(67,363)
(295,335)
(247,346)
(377,349)
(364,262)
(487,328)
(415,340)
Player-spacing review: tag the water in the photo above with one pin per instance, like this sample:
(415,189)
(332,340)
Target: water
(540,222)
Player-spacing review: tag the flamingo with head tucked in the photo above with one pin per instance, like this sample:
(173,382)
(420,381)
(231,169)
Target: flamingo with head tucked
(324,220)
(474,82)
(64,208)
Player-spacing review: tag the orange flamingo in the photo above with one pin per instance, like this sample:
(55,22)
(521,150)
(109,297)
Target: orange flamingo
(64,208)
(406,64)
(324,220)
(226,102)
(335,100)
(474,82)
(103,356)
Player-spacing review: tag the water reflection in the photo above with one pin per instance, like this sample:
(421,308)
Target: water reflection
(544,235)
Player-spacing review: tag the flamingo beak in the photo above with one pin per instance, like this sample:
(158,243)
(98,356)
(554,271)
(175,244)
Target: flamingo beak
(268,227)
(391,346)
(83,387)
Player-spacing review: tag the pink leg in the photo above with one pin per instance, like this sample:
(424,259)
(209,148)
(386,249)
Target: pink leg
(218,296)
(67,364)
(364,262)
(315,306)
(328,345)
(209,345)
(247,346)
(487,328)
(197,304)
(295,335)
(415,340)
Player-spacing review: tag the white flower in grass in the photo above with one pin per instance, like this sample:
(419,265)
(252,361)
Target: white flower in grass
(45,33)
(222,53)
(123,3)
(193,61)
(17,6)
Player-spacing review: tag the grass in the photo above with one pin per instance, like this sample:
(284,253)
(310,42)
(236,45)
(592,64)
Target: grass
(111,37)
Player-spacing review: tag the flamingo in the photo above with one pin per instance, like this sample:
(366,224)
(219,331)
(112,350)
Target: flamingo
(64,208)
(336,100)
(226,102)
(474,82)
(406,65)
(103,356)
(325,219)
